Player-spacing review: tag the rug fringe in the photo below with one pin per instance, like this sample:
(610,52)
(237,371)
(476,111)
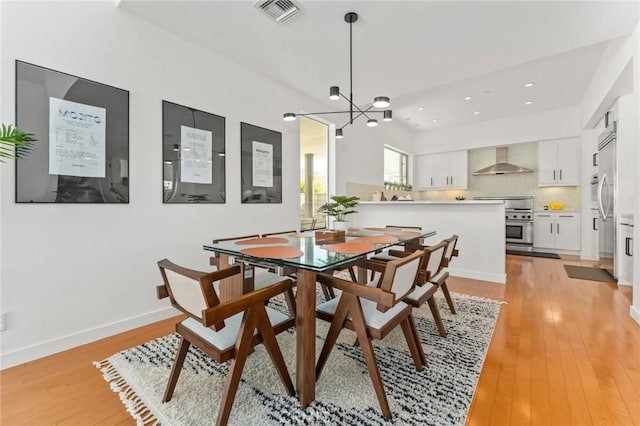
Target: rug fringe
(130,399)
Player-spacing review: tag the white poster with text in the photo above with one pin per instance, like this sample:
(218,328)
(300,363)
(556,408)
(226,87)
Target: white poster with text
(262,164)
(77,139)
(195,155)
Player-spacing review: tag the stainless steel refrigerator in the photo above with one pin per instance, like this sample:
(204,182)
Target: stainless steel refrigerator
(606,197)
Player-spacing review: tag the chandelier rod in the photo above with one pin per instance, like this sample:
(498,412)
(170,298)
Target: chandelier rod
(352,17)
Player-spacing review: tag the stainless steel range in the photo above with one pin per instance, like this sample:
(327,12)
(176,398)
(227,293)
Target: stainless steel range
(518,221)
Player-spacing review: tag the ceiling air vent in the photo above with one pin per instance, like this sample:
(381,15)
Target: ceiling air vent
(280,11)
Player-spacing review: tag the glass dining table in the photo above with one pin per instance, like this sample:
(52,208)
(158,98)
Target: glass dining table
(309,253)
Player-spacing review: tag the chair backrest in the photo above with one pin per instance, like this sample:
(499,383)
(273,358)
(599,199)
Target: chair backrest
(451,247)
(189,290)
(419,228)
(400,275)
(433,260)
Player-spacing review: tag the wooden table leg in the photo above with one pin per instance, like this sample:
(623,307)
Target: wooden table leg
(362,275)
(306,337)
(231,287)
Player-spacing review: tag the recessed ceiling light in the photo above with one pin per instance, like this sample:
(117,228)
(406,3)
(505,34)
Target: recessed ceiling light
(528,84)
(528,102)
(435,120)
(420,108)
(476,112)
(468,98)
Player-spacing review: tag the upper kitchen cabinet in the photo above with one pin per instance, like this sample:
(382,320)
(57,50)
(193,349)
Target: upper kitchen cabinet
(558,162)
(445,170)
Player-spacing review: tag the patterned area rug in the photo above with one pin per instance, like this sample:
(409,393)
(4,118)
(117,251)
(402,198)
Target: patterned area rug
(438,395)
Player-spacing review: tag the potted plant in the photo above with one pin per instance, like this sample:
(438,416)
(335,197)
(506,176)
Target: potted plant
(10,138)
(339,209)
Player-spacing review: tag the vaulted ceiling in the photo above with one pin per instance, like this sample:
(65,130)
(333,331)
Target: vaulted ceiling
(422,54)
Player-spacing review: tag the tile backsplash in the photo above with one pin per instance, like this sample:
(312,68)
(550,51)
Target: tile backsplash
(525,155)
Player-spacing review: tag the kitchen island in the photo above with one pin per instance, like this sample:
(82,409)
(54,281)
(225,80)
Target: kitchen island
(480,225)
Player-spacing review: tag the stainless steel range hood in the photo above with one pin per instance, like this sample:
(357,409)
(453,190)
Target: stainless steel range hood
(501,167)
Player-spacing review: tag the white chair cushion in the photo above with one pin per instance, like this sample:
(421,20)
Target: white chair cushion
(373,317)
(384,256)
(439,275)
(264,279)
(226,338)
(187,292)
(419,291)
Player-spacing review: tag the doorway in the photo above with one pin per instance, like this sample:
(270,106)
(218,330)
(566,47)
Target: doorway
(314,172)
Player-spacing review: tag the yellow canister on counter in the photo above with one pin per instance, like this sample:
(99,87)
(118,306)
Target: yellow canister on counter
(556,206)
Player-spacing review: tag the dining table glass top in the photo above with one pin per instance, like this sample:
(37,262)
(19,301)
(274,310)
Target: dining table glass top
(316,250)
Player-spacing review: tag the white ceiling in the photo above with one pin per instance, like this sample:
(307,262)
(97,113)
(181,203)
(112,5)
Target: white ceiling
(419,53)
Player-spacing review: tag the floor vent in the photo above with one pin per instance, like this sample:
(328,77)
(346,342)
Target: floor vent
(280,11)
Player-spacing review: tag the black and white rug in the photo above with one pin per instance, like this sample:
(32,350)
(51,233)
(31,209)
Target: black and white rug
(438,395)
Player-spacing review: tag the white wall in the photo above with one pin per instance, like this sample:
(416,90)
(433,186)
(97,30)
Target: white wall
(66,277)
(557,124)
(359,156)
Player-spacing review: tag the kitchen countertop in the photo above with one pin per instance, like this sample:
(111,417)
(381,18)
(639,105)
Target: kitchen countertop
(435,202)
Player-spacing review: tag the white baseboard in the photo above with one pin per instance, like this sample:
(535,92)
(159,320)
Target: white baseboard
(482,276)
(635,313)
(29,353)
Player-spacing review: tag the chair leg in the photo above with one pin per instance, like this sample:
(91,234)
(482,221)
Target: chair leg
(357,318)
(181,353)
(334,331)
(436,316)
(373,275)
(243,345)
(352,273)
(327,292)
(271,344)
(291,302)
(411,342)
(414,330)
(447,296)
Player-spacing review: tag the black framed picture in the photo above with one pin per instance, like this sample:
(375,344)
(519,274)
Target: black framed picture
(261,164)
(193,155)
(82,129)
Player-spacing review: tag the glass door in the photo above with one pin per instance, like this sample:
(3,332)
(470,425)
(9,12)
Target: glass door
(314,172)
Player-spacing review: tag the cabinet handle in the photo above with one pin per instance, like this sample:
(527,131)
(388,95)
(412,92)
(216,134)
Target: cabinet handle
(544,215)
(557,228)
(627,246)
(451,180)
(560,174)
(554,175)
(566,215)
(595,221)
(431,181)
(595,159)
(551,228)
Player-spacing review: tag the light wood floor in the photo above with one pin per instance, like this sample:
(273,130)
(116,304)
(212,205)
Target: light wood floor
(563,352)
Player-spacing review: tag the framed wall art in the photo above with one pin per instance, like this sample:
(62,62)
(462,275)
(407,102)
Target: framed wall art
(193,155)
(82,131)
(261,164)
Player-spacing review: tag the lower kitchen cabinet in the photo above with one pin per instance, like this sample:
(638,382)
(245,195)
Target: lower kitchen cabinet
(625,270)
(554,230)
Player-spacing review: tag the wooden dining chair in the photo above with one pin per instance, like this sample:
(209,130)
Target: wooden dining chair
(440,279)
(372,313)
(224,331)
(383,255)
(428,281)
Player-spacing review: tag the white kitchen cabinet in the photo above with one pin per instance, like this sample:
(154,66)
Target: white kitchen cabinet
(556,230)
(625,271)
(558,162)
(445,170)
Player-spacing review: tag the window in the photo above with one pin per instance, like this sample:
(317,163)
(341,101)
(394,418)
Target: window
(395,166)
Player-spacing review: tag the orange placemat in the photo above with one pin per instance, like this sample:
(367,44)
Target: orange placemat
(380,239)
(265,240)
(273,252)
(349,247)
(378,229)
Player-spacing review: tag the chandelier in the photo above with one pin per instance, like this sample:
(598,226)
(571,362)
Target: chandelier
(354,110)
